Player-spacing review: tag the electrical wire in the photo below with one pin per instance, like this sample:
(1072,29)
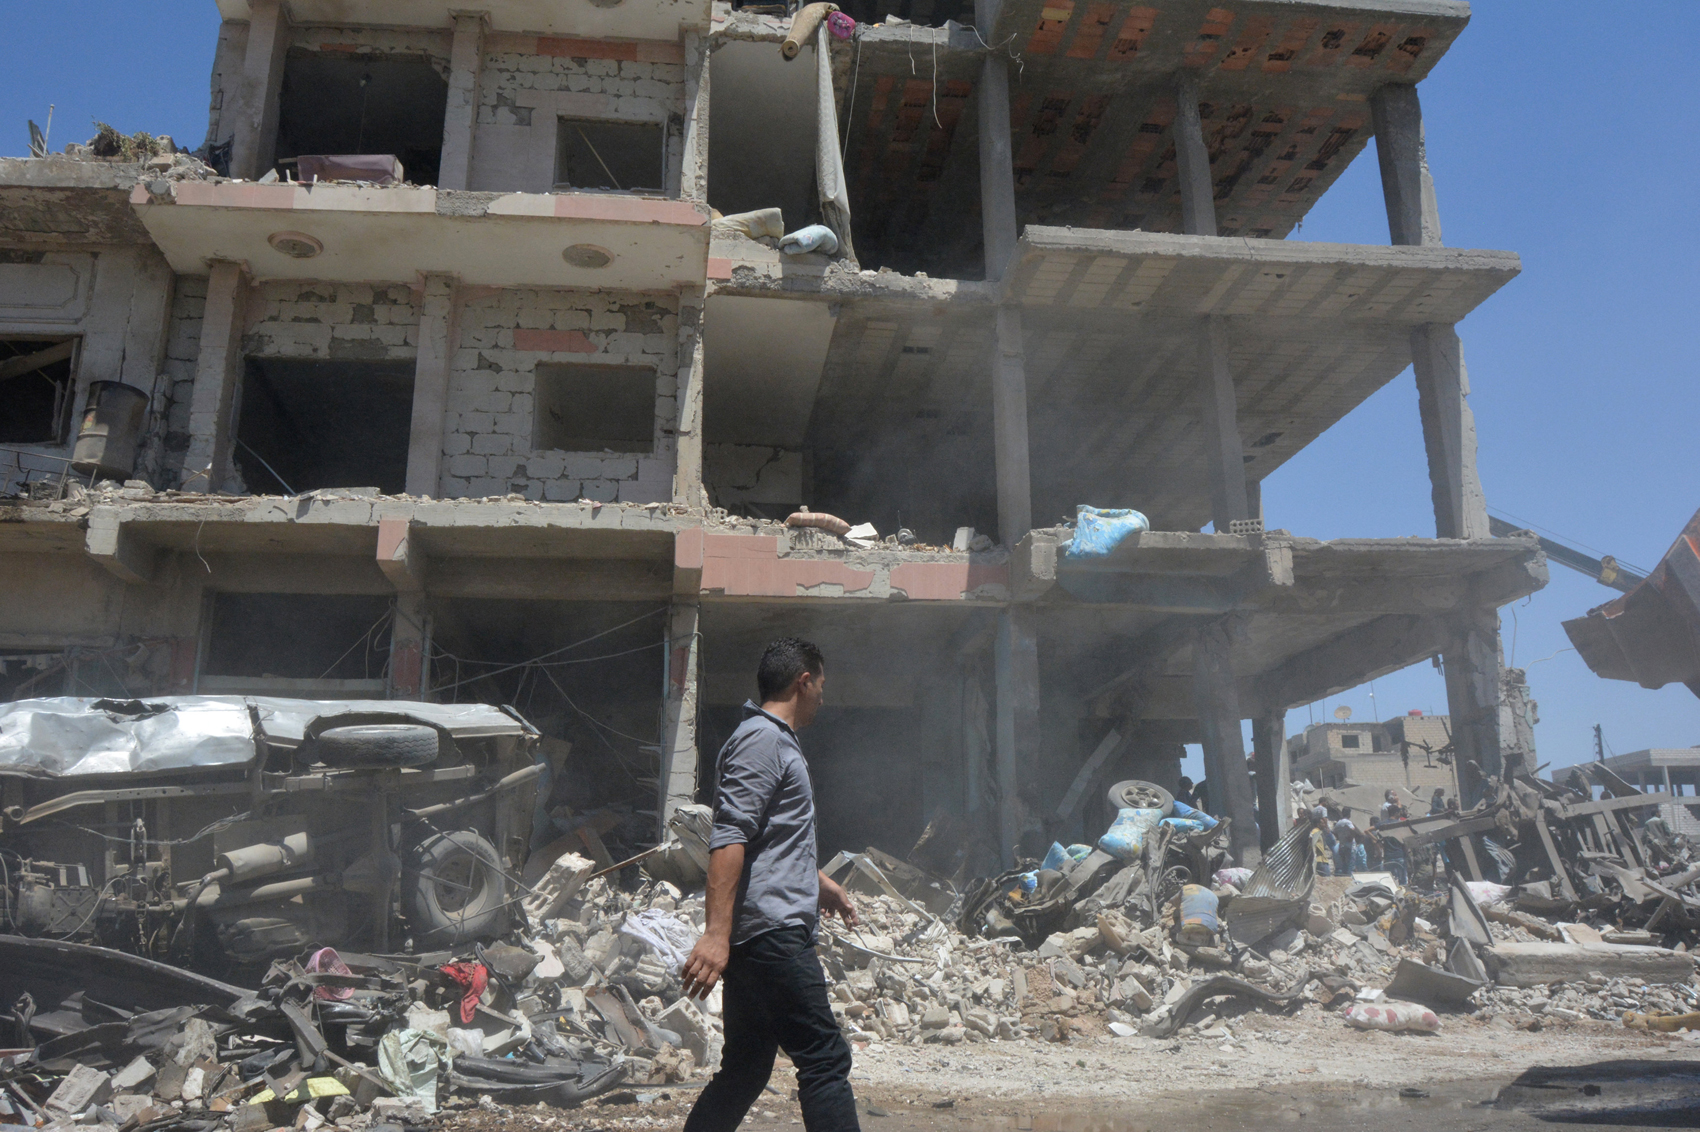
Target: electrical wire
(542,657)
(364,639)
(1566,539)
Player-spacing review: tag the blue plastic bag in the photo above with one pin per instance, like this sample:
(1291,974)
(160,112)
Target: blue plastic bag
(1059,858)
(1125,839)
(1097,532)
(1182,810)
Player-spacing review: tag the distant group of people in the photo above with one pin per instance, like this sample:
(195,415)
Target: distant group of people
(1343,848)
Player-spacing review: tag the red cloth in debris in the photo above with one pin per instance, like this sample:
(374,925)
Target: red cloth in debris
(474,977)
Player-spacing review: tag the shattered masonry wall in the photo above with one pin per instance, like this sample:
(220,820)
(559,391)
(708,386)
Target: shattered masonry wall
(353,321)
(182,347)
(432,43)
(503,338)
(528,82)
(753,473)
(113,300)
(226,78)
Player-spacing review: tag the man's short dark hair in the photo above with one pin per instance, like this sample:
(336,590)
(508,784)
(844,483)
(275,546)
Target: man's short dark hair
(784,661)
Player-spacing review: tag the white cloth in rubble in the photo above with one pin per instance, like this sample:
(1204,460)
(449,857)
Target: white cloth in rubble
(668,936)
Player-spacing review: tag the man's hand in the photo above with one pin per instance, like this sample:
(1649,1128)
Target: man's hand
(707,961)
(706,964)
(834,901)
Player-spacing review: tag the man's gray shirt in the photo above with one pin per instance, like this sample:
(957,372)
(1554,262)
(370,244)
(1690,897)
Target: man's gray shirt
(764,801)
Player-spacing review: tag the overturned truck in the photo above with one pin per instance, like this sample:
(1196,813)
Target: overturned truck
(228,831)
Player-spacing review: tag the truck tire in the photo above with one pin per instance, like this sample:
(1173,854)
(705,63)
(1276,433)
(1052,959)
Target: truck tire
(377,746)
(1136,793)
(454,890)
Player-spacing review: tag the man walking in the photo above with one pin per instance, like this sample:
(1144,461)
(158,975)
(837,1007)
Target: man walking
(765,898)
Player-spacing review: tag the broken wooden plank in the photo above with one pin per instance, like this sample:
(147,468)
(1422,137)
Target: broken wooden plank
(29,363)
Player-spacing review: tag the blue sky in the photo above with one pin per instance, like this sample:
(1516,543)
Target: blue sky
(1547,135)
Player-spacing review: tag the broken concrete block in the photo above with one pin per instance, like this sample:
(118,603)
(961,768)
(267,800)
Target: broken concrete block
(935,1017)
(137,1072)
(168,1083)
(1068,971)
(557,886)
(81,1087)
(693,1029)
(193,1081)
(195,1042)
(127,1105)
(403,1111)
(1538,964)
(1130,991)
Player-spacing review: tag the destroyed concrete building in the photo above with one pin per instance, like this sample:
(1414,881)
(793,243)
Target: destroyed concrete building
(494,409)
(1674,771)
(1400,754)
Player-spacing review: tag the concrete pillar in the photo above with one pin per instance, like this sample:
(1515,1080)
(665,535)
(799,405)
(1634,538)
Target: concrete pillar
(438,311)
(218,375)
(1472,663)
(1009,360)
(1009,429)
(997,166)
(687,436)
(410,637)
(693,174)
(1192,160)
(466,61)
(1274,772)
(678,773)
(254,145)
(1225,768)
(1224,454)
(1449,432)
(1413,217)
(1016,661)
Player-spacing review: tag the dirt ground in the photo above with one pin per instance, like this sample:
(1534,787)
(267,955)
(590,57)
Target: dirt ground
(1267,1068)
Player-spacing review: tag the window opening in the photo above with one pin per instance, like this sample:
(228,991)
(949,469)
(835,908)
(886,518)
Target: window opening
(1349,741)
(580,408)
(609,156)
(370,106)
(299,636)
(308,424)
(37,386)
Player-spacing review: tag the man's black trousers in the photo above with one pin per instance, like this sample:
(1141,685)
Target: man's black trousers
(775,998)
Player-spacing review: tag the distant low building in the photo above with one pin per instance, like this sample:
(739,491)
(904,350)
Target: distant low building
(1402,753)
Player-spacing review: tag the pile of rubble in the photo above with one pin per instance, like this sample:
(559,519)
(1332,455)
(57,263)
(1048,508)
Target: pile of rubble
(1147,933)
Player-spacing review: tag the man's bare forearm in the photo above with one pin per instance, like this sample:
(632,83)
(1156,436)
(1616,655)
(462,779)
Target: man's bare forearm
(725,868)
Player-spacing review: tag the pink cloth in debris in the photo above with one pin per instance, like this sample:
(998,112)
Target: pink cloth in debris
(326,961)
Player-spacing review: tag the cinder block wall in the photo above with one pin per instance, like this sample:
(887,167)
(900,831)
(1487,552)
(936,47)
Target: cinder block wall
(182,347)
(529,82)
(431,43)
(503,337)
(352,321)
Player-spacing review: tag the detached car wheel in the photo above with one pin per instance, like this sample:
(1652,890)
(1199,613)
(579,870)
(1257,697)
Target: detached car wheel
(454,890)
(377,746)
(1137,794)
